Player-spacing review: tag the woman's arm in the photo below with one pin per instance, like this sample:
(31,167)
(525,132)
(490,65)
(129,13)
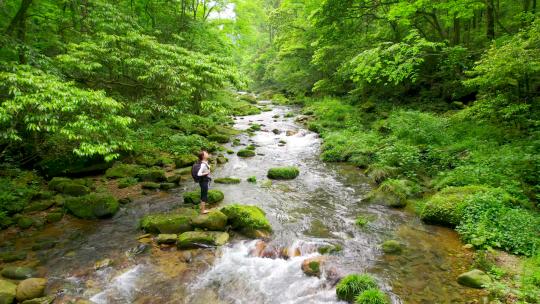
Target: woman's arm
(204,170)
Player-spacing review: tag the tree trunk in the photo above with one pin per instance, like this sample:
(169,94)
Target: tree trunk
(457,31)
(18,24)
(490,20)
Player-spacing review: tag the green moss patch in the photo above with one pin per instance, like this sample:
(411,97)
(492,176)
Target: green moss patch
(92,206)
(194,197)
(245,153)
(247,219)
(227,180)
(213,220)
(69,186)
(185,160)
(196,239)
(123,170)
(176,221)
(283,173)
(219,138)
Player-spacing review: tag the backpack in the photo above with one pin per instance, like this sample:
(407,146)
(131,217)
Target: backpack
(194,171)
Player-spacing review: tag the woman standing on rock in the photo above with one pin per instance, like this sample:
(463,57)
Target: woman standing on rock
(201,174)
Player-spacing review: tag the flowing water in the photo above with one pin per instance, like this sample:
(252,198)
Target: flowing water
(318,208)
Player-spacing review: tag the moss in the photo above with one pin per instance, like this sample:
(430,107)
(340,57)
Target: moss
(194,197)
(220,159)
(219,138)
(247,219)
(92,206)
(152,175)
(39,206)
(289,115)
(255,127)
(283,173)
(372,296)
(213,220)
(230,152)
(251,147)
(446,207)
(122,170)
(127,182)
(252,179)
(236,142)
(330,249)
(391,247)
(246,153)
(177,221)
(8,257)
(54,217)
(185,160)
(361,221)
(166,186)
(25,222)
(68,186)
(194,239)
(150,185)
(353,285)
(227,180)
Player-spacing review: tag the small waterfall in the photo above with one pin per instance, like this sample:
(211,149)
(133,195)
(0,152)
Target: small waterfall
(122,289)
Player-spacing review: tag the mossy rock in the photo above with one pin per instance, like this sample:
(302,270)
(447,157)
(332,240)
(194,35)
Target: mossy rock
(330,249)
(230,152)
(213,220)
(8,291)
(8,257)
(125,182)
(25,222)
(54,217)
(18,273)
(194,197)
(446,207)
(68,186)
(185,160)
(150,185)
(166,238)
(312,266)
(252,179)
(184,171)
(475,279)
(227,180)
(350,286)
(167,186)
(152,175)
(251,147)
(39,206)
(123,170)
(219,138)
(221,159)
(245,153)
(236,142)
(391,247)
(249,220)
(197,239)
(176,221)
(31,288)
(283,173)
(92,206)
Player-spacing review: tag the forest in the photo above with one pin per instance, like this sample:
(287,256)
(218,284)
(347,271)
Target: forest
(437,103)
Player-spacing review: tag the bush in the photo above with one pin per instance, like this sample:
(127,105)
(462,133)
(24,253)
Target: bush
(371,296)
(284,173)
(352,285)
(490,220)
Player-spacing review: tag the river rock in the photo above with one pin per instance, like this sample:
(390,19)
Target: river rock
(30,289)
(177,221)
(194,197)
(8,291)
(288,253)
(259,248)
(166,238)
(249,220)
(102,264)
(42,300)
(12,256)
(213,220)
(391,247)
(195,239)
(18,273)
(312,266)
(93,206)
(475,278)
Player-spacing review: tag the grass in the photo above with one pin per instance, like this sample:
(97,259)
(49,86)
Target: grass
(353,285)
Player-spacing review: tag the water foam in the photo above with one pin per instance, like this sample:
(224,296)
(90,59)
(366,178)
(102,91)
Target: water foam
(123,289)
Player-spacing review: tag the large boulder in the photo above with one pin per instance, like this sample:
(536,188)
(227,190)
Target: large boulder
(474,278)
(249,220)
(69,186)
(194,197)
(31,288)
(283,173)
(8,291)
(176,221)
(92,206)
(197,239)
(213,220)
(18,273)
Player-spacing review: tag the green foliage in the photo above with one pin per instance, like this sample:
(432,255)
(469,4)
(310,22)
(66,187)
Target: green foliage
(371,296)
(284,173)
(17,188)
(353,285)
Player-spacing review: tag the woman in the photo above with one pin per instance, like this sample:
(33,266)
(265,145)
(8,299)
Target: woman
(204,179)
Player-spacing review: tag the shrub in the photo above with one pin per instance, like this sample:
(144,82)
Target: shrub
(227,180)
(352,285)
(284,173)
(371,296)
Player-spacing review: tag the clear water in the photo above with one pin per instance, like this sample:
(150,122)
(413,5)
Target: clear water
(319,207)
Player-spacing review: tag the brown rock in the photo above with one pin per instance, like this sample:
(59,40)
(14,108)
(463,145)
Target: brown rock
(313,266)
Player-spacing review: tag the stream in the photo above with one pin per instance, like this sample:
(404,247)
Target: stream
(318,208)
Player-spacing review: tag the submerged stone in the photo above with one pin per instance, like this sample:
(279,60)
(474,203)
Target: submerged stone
(391,247)
(177,221)
(474,278)
(249,220)
(197,239)
(213,220)
(194,197)
(8,291)
(92,206)
(31,288)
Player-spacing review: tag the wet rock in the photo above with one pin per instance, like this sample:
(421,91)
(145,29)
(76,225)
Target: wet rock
(18,273)
(31,288)
(125,200)
(152,175)
(246,153)
(8,257)
(102,264)
(474,278)
(185,160)
(92,206)
(176,221)
(312,266)
(150,186)
(139,249)
(330,249)
(227,180)
(283,173)
(291,132)
(8,291)
(249,220)
(288,253)
(259,249)
(221,159)
(54,217)
(25,222)
(194,197)
(166,238)
(195,239)
(302,118)
(166,186)
(42,300)
(391,247)
(213,220)
(276,131)
(174,179)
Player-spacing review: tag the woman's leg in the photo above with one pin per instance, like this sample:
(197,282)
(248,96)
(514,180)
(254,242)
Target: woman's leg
(204,195)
